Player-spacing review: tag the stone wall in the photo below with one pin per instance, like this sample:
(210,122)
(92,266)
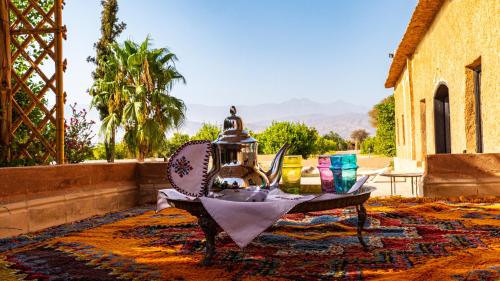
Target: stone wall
(151,177)
(34,198)
(450,175)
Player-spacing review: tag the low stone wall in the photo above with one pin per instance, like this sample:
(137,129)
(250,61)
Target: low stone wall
(34,198)
(151,177)
(451,175)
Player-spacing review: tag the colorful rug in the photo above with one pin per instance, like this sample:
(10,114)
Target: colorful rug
(408,241)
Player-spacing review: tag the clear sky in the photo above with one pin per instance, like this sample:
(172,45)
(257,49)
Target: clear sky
(249,52)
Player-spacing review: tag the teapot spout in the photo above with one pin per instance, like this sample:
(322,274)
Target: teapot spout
(275,171)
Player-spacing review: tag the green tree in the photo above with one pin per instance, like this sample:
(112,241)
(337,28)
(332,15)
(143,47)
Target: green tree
(172,144)
(358,136)
(140,78)
(207,132)
(110,30)
(373,113)
(301,138)
(342,144)
(368,145)
(110,91)
(324,145)
(121,151)
(385,137)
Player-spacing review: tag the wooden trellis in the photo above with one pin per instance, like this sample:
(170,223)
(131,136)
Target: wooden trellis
(31,76)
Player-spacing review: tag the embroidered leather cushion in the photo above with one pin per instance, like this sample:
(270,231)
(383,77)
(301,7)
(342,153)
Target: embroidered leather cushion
(187,168)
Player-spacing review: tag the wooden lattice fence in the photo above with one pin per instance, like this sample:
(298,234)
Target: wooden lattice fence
(31,73)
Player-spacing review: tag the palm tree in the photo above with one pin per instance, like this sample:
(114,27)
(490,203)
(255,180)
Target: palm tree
(110,30)
(107,92)
(137,89)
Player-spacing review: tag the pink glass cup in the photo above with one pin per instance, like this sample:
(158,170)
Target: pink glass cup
(325,174)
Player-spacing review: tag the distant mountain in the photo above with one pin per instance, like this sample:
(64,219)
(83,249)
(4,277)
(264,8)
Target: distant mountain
(343,124)
(339,116)
(271,111)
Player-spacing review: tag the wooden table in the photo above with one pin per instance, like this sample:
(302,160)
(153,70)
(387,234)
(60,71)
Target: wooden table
(413,176)
(210,227)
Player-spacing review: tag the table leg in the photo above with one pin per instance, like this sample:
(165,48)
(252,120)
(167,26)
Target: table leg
(390,178)
(361,222)
(395,191)
(209,227)
(412,193)
(416,187)
(393,188)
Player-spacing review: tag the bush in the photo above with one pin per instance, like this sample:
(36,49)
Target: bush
(368,145)
(78,136)
(342,144)
(19,163)
(172,144)
(324,145)
(303,139)
(207,132)
(385,138)
(121,151)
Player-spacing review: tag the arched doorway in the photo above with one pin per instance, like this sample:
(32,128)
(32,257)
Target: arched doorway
(442,120)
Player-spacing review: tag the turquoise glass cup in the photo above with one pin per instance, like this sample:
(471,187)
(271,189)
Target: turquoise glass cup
(349,171)
(336,168)
(344,168)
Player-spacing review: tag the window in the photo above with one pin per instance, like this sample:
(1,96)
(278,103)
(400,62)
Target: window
(477,102)
(403,128)
(397,131)
(423,129)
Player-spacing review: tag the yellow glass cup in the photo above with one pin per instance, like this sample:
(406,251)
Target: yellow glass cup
(292,172)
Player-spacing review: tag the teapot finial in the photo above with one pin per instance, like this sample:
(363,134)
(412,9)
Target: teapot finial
(232,110)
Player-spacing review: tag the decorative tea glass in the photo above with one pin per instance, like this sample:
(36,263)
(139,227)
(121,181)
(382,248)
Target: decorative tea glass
(344,168)
(349,171)
(292,170)
(325,174)
(336,168)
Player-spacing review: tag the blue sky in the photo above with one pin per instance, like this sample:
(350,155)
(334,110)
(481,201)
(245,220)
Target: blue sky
(249,52)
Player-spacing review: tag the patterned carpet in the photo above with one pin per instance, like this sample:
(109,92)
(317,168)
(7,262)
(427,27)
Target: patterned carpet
(408,241)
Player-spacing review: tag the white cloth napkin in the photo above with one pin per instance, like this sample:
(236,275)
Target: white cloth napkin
(170,193)
(243,221)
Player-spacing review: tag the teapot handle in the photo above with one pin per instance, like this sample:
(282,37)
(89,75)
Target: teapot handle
(215,168)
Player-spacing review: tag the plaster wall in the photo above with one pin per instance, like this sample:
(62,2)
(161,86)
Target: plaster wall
(450,175)
(463,33)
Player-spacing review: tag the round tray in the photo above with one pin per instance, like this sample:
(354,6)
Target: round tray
(196,208)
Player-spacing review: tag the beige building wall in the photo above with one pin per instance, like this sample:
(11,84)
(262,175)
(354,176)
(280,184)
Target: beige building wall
(463,34)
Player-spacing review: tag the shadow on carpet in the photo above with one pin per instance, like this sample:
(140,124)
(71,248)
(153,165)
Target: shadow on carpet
(408,241)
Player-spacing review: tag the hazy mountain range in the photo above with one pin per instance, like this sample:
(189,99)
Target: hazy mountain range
(339,116)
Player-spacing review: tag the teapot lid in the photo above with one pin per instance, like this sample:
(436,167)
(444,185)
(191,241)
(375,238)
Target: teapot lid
(233,130)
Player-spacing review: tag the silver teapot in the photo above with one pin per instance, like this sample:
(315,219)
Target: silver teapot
(235,163)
